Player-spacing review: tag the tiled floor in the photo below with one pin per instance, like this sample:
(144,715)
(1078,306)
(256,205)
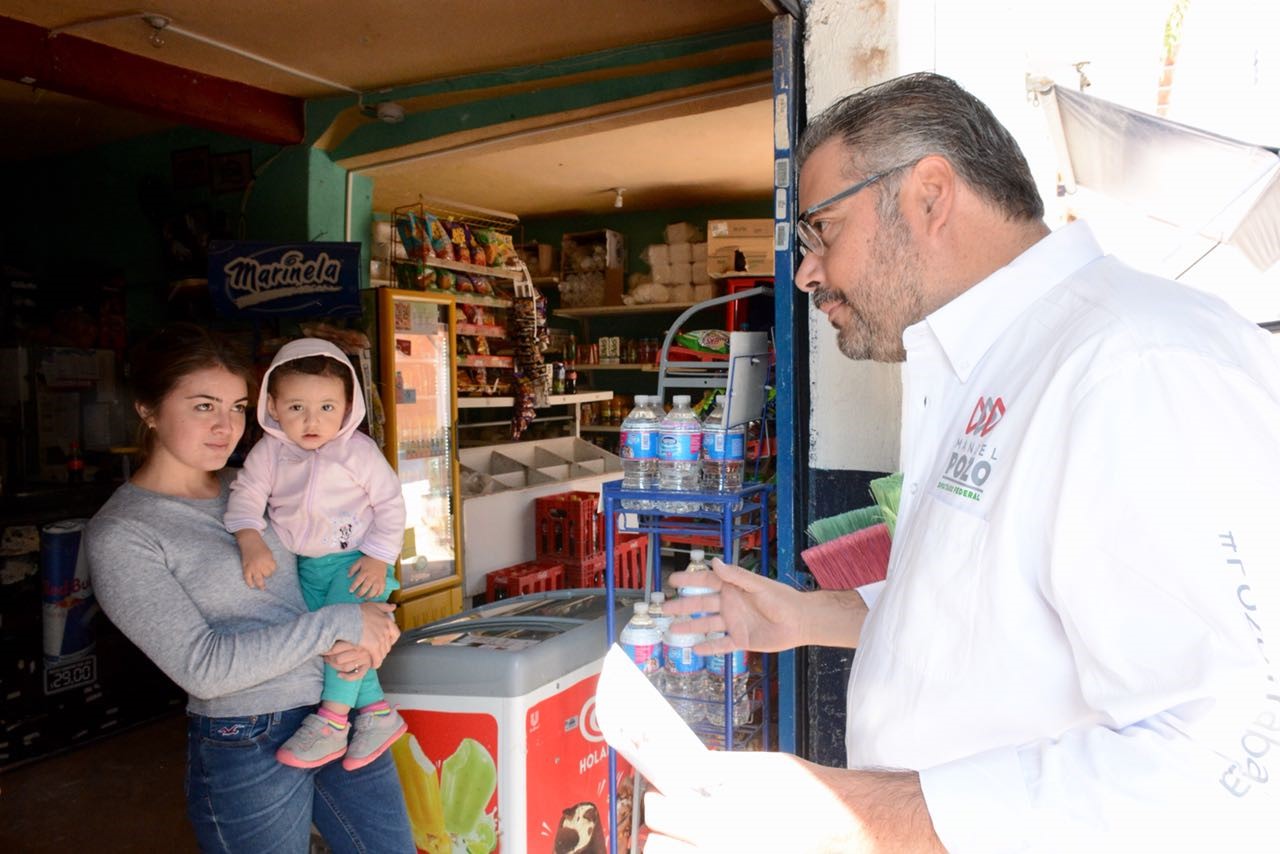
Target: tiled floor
(121,794)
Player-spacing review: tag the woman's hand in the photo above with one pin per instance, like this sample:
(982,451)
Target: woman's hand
(380,630)
(351,661)
(370,577)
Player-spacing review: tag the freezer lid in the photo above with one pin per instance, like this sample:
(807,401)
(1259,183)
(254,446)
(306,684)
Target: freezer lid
(506,649)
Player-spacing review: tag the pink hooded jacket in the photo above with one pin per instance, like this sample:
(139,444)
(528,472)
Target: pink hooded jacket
(343,496)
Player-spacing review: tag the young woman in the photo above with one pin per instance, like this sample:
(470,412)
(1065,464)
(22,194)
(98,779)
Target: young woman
(168,574)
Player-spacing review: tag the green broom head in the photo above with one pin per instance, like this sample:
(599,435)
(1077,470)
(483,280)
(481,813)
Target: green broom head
(825,530)
(887,492)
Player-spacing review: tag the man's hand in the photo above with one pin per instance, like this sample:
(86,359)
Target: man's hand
(370,577)
(764,615)
(770,802)
(380,631)
(255,558)
(352,662)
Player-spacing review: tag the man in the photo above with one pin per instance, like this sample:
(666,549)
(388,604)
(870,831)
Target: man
(1072,649)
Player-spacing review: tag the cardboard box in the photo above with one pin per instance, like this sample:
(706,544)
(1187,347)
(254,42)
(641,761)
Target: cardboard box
(727,238)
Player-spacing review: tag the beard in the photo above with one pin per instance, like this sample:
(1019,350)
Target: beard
(890,295)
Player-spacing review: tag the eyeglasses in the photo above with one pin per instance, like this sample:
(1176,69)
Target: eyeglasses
(810,238)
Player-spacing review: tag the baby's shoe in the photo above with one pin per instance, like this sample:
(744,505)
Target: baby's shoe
(374,733)
(316,742)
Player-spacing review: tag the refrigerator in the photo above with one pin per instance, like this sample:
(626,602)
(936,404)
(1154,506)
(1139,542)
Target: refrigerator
(503,751)
(416,370)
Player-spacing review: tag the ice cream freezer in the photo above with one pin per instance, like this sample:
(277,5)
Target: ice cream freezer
(503,752)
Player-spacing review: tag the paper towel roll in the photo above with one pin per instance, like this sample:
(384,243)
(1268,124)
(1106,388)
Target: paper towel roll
(681,274)
(655,253)
(680,253)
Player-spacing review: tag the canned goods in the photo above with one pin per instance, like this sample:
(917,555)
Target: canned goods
(66,592)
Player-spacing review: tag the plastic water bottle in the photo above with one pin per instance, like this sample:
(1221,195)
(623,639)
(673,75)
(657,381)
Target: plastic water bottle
(641,640)
(679,452)
(736,665)
(697,563)
(684,675)
(723,451)
(639,450)
(661,620)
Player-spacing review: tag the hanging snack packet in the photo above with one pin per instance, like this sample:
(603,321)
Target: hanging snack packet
(478,255)
(458,239)
(438,239)
(410,229)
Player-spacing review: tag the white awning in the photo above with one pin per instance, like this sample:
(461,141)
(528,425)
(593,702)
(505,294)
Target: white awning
(1224,189)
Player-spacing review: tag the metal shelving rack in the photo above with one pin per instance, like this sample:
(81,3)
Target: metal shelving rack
(733,517)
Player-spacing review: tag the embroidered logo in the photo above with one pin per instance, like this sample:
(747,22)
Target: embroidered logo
(986,415)
(228,731)
(973,459)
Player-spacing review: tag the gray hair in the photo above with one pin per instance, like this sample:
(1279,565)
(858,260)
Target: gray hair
(907,118)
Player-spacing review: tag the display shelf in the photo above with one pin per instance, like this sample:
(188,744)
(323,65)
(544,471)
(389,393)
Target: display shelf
(623,366)
(503,422)
(476,299)
(552,400)
(470,269)
(482,330)
(545,281)
(600,428)
(732,516)
(615,310)
(476,361)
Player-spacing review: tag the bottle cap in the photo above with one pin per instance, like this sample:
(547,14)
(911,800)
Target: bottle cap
(698,555)
(657,596)
(720,399)
(681,400)
(640,608)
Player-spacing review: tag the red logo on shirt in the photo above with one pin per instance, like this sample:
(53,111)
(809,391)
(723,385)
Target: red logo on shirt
(986,415)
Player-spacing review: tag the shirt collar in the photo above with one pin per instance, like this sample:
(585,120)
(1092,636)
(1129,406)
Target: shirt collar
(967,326)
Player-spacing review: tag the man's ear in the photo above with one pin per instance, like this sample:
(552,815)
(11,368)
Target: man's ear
(931,193)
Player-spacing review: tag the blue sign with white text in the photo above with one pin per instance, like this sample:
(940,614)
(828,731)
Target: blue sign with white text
(285,279)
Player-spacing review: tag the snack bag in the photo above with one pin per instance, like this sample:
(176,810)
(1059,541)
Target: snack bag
(465,284)
(478,254)
(484,285)
(458,236)
(438,237)
(410,229)
(427,277)
(705,340)
(446,280)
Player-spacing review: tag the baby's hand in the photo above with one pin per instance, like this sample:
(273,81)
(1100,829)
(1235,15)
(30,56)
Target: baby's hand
(255,558)
(370,577)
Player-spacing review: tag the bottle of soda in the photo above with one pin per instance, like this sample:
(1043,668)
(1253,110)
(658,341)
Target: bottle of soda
(679,450)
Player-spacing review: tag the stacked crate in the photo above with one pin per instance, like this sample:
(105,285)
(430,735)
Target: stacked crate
(570,532)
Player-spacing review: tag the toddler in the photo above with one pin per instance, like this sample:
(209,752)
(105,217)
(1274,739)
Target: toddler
(334,501)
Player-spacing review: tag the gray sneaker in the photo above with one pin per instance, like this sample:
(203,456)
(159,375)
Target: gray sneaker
(373,734)
(314,744)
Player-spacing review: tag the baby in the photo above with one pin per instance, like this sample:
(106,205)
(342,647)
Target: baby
(334,501)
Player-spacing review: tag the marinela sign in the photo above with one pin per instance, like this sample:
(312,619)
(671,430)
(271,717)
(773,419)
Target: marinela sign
(285,279)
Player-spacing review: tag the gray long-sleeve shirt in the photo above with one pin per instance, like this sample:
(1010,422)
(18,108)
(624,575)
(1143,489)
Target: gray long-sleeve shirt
(169,576)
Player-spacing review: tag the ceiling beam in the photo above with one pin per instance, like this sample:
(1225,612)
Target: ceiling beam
(75,66)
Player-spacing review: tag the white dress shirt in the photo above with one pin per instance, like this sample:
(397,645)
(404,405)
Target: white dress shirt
(1073,644)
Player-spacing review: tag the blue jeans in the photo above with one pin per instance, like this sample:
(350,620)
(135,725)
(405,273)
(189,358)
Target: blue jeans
(241,799)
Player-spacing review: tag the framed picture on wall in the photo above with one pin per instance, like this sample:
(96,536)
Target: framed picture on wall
(231,172)
(190,168)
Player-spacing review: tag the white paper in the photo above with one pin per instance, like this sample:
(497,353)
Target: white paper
(640,724)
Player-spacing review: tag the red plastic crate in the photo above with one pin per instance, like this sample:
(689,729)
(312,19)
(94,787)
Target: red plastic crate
(566,525)
(629,555)
(530,577)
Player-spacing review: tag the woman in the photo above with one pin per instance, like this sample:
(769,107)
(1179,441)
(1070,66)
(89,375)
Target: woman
(169,576)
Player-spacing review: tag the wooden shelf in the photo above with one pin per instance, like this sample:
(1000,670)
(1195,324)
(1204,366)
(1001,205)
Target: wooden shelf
(458,296)
(461,267)
(553,400)
(600,428)
(614,310)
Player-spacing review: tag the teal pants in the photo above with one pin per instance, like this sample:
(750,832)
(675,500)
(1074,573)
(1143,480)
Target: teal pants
(325,581)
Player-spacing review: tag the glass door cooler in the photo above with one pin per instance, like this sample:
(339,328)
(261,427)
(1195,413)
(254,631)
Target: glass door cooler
(416,367)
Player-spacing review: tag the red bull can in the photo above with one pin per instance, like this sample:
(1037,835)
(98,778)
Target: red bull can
(67,592)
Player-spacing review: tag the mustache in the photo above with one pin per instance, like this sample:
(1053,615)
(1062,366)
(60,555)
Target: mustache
(823,297)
